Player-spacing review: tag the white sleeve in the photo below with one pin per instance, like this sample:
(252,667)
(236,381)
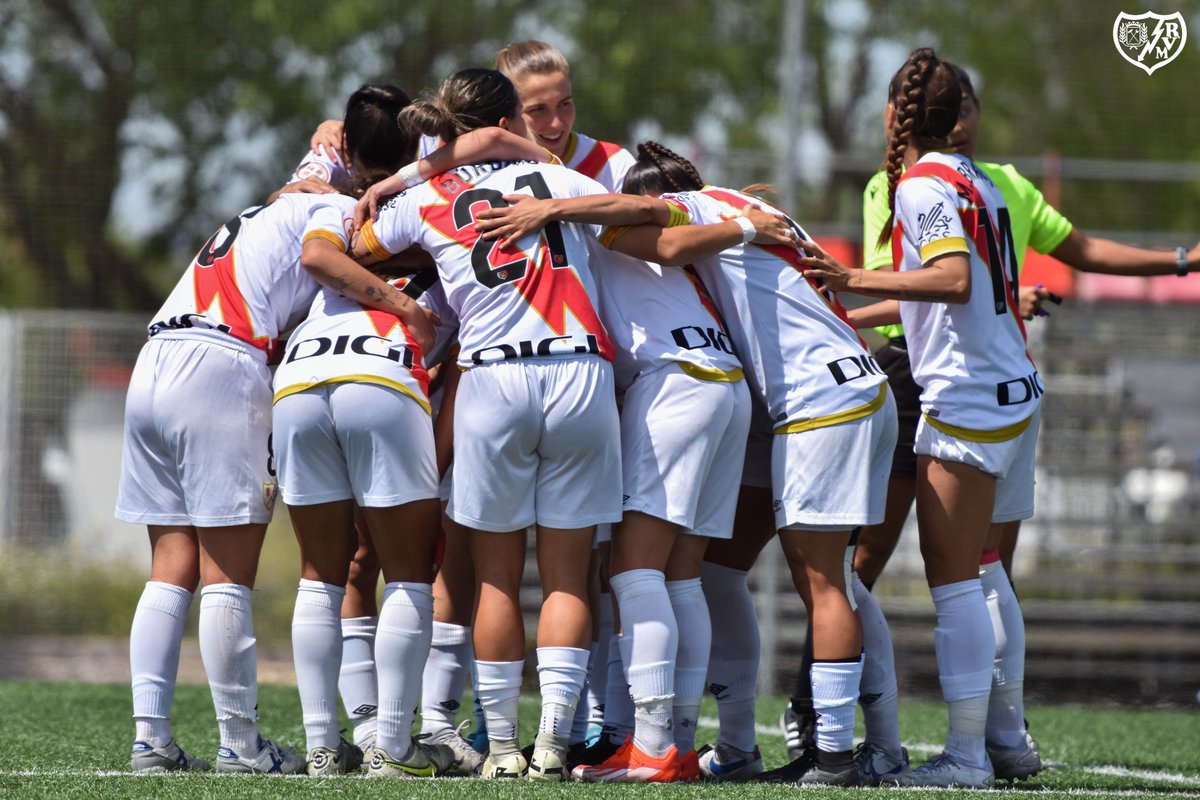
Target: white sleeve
(397,228)
(323,165)
(331,218)
(699,210)
(927,209)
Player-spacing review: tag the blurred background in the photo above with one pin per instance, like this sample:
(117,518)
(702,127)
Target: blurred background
(130,129)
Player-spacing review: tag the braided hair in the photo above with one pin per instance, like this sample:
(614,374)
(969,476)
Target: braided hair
(927,95)
(660,169)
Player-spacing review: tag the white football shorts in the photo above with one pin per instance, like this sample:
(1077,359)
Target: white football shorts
(197,434)
(834,477)
(1011,461)
(683,442)
(354,440)
(536,441)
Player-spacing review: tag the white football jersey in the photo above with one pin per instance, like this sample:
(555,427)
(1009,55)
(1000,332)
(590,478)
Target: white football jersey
(657,315)
(801,356)
(535,298)
(970,358)
(247,280)
(342,341)
(327,166)
(604,162)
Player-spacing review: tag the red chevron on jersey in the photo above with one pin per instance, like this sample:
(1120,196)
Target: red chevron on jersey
(705,298)
(508,263)
(595,160)
(384,323)
(974,218)
(553,290)
(788,254)
(215,283)
(548,283)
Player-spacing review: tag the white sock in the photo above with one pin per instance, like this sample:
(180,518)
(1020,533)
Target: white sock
(476,706)
(598,670)
(445,679)
(401,648)
(582,722)
(499,693)
(228,649)
(1006,707)
(154,641)
(877,692)
(835,687)
(649,624)
(562,672)
(691,658)
(965,647)
(357,683)
(618,703)
(589,715)
(734,656)
(317,651)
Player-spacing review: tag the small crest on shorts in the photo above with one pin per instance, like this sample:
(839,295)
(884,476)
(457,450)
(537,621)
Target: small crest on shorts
(270,492)
(1149,40)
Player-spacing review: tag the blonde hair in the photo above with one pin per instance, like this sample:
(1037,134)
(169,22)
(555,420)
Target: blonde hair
(531,57)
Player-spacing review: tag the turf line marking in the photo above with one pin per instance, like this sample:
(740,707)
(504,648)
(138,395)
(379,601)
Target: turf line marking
(1112,770)
(1107,770)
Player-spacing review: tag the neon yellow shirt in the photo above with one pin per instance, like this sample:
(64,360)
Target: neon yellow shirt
(1035,223)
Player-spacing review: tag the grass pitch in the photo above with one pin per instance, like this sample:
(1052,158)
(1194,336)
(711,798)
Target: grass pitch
(72,740)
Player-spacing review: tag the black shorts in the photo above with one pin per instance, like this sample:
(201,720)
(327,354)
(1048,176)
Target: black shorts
(893,357)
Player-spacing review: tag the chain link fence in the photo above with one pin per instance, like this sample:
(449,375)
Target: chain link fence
(1108,570)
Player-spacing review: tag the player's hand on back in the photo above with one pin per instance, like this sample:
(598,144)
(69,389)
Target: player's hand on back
(523,216)
(328,135)
(421,323)
(770,226)
(819,265)
(309,185)
(375,196)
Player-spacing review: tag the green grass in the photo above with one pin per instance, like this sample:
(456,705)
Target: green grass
(71,740)
(101,596)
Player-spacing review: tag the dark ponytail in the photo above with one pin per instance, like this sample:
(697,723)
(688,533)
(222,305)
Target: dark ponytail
(927,95)
(374,138)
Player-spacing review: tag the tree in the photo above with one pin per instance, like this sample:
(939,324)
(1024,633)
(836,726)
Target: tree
(207,104)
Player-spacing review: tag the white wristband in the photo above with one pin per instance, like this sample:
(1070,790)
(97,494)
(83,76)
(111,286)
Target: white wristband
(748,229)
(410,175)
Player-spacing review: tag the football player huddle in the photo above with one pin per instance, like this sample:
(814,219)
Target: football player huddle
(528,330)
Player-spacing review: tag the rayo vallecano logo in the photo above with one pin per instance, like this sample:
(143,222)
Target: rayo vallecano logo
(1149,40)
